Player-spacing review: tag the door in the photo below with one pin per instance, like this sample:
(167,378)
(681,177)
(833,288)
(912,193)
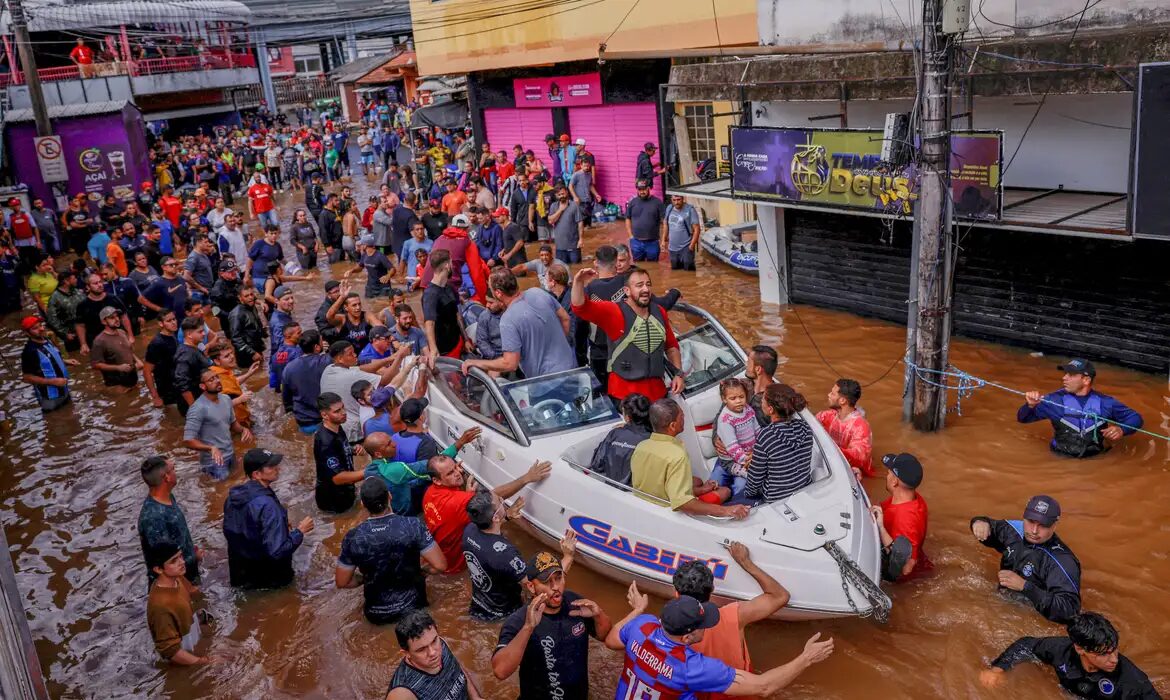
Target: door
(527,127)
(616,134)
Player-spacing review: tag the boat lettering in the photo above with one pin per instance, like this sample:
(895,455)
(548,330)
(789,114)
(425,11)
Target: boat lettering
(601,536)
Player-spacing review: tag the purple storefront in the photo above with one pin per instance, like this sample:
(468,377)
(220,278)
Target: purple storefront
(104,146)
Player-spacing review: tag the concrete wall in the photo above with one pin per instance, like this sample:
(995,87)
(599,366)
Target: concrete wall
(882,23)
(1080,142)
(194,80)
(460,37)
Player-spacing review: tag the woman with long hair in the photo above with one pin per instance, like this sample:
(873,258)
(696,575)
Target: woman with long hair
(781,461)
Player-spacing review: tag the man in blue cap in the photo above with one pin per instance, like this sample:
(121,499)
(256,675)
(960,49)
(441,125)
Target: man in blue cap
(1035,562)
(1082,418)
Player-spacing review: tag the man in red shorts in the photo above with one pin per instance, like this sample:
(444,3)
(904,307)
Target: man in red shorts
(641,342)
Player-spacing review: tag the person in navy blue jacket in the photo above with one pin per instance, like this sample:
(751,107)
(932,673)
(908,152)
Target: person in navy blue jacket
(1079,413)
(255,524)
(1034,562)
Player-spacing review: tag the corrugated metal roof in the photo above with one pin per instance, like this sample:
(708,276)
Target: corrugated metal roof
(84,109)
(57,16)
(352,71)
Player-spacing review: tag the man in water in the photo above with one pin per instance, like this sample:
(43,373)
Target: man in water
(429,671)
(1086,662)
(1080,415)
(549,640)
(1035,560)
(847,425)
(902,519)
(42,366)
(661,663)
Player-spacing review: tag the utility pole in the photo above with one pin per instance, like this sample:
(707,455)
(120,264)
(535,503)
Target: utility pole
(932,225)
(28,65)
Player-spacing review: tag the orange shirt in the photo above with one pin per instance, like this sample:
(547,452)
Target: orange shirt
(453,202)
(232,388)
(725,642)
(117,258)
(445,513)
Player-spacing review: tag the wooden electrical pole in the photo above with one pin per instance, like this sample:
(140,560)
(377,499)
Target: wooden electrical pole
(932,225)
(28,66)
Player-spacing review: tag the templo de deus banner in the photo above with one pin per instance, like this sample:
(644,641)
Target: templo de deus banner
(842,168)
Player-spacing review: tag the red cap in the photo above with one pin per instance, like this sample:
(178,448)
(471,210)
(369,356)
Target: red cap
(500,211)
(29,321)
(13,201)
(147,185)
(565,138)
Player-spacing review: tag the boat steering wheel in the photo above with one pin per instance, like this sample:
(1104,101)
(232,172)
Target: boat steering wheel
(547,410)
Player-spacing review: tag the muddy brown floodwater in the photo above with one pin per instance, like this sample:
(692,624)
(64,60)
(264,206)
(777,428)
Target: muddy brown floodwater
(70,495)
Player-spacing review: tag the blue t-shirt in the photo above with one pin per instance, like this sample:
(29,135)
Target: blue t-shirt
(340,138)
(369,354)
(415,336)
(653,666)
(261,253)
(166,243)
(386,549)
(409,248)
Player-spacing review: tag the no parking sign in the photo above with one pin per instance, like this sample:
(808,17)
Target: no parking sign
(51,158)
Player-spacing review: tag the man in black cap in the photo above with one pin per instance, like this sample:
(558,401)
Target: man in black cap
(660,662)
(1082,418)
(1035,561)
(902,519)
(225,293)
(1086,662)
(259,540)
(414,443)
(646,168)
(549,640)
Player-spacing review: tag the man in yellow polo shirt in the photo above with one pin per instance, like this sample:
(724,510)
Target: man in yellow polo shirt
(660,469)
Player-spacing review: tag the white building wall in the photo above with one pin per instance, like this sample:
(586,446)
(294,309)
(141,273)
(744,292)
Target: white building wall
(1079,142)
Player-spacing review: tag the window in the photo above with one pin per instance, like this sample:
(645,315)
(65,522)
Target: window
(472,397)
(311,64)
(700,131)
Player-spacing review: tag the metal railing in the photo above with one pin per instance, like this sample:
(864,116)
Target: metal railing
(209,60)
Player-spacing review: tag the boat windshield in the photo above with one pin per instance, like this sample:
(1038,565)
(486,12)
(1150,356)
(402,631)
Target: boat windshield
(558,402)
(708,356)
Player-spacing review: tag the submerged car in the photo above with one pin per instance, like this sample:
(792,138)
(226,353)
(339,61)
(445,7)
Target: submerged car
(820,542)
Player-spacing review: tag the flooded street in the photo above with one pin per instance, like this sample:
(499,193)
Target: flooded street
(70,493)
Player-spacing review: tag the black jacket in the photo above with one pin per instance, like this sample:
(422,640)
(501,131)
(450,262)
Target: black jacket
(1051,571)
(1126,682)
(314,197)
(189,364)
(225,295)
(246,332)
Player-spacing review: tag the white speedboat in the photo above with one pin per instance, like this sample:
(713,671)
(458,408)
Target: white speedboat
(820,543)
(727,244)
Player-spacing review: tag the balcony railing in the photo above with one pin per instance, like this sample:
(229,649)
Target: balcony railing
(209,60)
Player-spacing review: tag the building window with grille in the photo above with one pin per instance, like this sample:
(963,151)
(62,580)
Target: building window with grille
(700,130)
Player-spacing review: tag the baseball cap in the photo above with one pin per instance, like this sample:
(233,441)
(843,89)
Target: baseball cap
(331,285)
(684,615)
(642,185)
(281,292)
(1043,509)
(500,211)
(649,145)
(565,138)
(257,459)
(229,265)
(381,396)
(435,203)
(366,240)
(259,167)
(147,185)
(412,410)
(379,332)
(29,321)
(542,566)
(13,201)
(460,221)
(106,312)
(906,467)
(1078,366)
(580,142)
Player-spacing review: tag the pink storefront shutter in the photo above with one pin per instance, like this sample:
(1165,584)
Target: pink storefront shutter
(527,127)
(615,134)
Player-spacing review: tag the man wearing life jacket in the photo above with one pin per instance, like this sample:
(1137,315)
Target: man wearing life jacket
(1035,562)
(1082,418)
(641,341)
(455,240)
(25,235)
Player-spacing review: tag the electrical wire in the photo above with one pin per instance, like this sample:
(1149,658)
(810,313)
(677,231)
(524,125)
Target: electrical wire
(623,21)
(718,38)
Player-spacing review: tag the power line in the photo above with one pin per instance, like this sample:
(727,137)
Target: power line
(619,24)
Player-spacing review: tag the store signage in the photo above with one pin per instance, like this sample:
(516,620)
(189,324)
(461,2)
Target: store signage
(51,158)
(558,91)
(842,168)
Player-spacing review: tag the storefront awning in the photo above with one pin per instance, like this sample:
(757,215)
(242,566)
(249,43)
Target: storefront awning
(1087,214)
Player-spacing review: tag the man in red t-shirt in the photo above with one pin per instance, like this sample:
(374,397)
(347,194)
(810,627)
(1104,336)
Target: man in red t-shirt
(445,503)
(82,57)
(901,519)
(260,202)
(171,205)
(641,342)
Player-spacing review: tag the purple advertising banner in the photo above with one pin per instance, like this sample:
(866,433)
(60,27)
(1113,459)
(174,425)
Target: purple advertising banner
(559,91)
(104,153)
(843,168)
